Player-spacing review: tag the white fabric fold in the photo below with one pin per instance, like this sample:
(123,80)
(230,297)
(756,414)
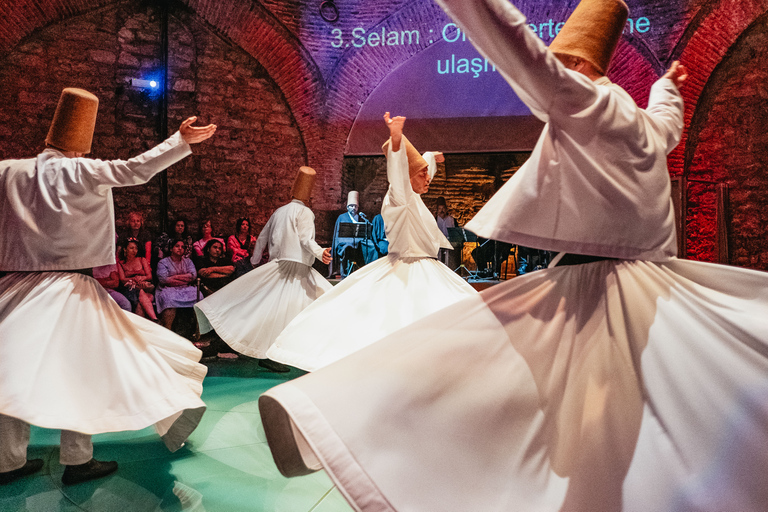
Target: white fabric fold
(71,359)
(611,386)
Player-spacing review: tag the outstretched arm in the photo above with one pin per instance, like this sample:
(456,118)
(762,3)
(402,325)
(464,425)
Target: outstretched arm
(139,169)
(665,105)
(500,33)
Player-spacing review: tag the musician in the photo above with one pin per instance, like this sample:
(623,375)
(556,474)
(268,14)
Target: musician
(379,238)
(445,221)
(347,252)
(443,218)
(489,255)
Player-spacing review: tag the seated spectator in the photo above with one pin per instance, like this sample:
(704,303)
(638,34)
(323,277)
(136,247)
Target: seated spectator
(108,277)
(136,230)
(240,245)
(165,240)
(206,235)
(176,277)
(136,279)
(215,268)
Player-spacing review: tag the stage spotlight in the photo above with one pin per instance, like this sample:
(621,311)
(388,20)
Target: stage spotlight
(144,84)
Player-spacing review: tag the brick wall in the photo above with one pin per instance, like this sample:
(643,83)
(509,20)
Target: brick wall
(729,144)
(282,96)
(247,169)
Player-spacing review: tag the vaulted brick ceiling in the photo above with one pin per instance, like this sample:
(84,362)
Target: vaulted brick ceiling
(284,37)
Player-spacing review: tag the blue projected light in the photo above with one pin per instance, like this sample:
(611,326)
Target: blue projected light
(144,84)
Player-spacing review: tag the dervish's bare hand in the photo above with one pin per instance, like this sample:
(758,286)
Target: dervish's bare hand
(439,158)
(395,124)
(194,134)
(677,73)
(327,255)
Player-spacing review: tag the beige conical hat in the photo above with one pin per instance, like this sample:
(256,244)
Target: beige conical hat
(416,162)
(305,181)
(353,198)
(592,31)
(74,121)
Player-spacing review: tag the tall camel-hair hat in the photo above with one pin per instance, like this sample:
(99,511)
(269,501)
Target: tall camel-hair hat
(593,31)
(305,181)
(74,121)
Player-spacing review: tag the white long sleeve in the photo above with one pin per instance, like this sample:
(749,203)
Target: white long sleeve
(57,213)
(596,182)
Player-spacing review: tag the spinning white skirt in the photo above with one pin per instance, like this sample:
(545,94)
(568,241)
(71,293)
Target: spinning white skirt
(378,299)
(251,311)
(71,359)
(608,386)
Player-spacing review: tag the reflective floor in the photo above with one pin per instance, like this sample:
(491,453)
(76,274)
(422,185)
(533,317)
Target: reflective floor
(225,465)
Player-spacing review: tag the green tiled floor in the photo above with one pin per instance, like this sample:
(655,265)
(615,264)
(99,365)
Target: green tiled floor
(224,467)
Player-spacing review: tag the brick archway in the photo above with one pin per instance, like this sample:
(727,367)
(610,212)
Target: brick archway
(702,53)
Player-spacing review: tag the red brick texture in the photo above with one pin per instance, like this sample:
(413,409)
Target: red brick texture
(282,96)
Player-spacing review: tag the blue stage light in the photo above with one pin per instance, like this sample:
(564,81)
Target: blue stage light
(144,84)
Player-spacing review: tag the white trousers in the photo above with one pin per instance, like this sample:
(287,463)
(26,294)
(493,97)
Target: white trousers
(76,448)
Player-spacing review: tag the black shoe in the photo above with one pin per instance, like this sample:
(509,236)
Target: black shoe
(91,470)
(32,466)
(274,366)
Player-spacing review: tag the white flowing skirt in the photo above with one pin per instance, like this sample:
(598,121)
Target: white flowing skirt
(378,299)
(609,386)
(71,359)
(252,310)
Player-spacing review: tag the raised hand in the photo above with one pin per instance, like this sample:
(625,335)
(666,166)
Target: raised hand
(194,134)
(677,73)
(395,125)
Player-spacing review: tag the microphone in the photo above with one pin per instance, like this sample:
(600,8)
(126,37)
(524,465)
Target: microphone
(362,216)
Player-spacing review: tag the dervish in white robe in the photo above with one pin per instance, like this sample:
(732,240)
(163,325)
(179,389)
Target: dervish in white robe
(251,311)
(70,358)
(635,383)
(383,296)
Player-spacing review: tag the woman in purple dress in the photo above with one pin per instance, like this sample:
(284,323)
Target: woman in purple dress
(176,276)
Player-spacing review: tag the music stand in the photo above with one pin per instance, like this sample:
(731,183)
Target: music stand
(358,231)
(354,230)
(462,235)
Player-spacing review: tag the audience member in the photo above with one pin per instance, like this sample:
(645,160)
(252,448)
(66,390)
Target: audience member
(240,245)
(136,230)
(176,275)
(136,279)
(165,240)
(108,277)
(206,235)
(215,269)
